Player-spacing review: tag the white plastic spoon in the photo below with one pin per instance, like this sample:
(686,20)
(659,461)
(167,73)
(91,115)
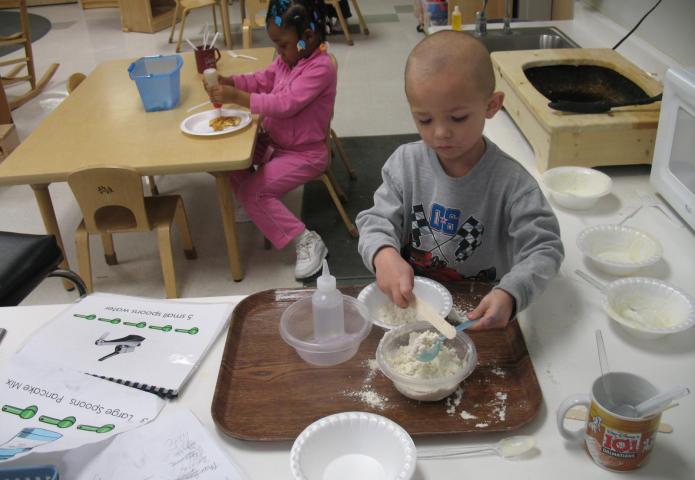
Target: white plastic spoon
(508,448)
(661,401)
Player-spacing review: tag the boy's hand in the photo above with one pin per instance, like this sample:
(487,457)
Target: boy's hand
(394,276)
(494,310)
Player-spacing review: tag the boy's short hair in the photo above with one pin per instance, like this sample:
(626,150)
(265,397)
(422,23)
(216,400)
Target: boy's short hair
(448,49)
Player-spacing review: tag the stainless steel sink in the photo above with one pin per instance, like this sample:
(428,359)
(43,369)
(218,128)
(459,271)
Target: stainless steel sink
(526,38)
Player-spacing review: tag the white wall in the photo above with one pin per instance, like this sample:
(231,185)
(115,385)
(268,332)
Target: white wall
(670,28)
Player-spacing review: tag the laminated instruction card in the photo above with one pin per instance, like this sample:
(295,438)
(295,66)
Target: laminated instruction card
(153,345)
(47,409)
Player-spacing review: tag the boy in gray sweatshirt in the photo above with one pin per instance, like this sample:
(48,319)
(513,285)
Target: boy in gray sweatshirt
(453,205)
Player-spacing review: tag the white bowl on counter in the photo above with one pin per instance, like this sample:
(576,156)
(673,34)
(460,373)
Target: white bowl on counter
(619,250)
(648,308)
(353,445)
(434,293)
(576,188)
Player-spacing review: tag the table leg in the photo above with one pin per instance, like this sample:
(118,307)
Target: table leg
(224,6)
(226,200)
(48,214)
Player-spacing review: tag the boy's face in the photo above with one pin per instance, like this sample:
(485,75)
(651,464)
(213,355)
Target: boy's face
(450,114)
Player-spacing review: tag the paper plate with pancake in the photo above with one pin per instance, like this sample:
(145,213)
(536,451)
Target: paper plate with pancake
(212,122)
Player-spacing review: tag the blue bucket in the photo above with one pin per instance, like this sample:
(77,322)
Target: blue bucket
(158,80)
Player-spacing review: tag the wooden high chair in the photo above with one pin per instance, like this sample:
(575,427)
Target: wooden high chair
(184,7)
(27,61)
(343,21)
(112,201)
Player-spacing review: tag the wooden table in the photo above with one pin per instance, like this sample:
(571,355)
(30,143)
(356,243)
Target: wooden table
(103,122)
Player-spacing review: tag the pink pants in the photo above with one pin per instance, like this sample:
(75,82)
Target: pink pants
(279,171)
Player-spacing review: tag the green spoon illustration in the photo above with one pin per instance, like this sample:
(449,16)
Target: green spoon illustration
(23,413)
(137,325)
(64,423)
(103,429)
(114,321)
(165,328)
(191,331)
(91,316)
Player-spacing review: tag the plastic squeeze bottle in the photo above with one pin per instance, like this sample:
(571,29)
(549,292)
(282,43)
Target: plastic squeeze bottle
(456,18)
(327,307)
(210,75)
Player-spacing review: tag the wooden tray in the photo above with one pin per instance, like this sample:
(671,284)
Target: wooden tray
(266,392)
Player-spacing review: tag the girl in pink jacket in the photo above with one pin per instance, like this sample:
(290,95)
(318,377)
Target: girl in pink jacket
(295,97)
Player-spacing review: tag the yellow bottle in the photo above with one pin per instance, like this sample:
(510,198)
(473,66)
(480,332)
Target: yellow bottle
(456,19)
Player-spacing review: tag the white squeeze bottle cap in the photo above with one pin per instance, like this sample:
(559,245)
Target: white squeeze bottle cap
(327,307)
(326,282)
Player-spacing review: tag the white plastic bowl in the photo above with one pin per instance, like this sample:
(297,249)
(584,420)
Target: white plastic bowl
(619,250)
(425,389)
(576,188)
(353,445)
(648,308)
(430,291)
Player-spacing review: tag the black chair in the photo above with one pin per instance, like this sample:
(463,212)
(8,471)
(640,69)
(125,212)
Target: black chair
(25,260)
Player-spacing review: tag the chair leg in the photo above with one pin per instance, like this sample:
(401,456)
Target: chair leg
(109,252)
(343,156)
(336,185)
(166,256)
(363,24)
(153,185)
(266,243)
(183,24)
(246,33)
(181,220)
(343,24)
(83,259)
(174,21)
(214,18)
(346,220)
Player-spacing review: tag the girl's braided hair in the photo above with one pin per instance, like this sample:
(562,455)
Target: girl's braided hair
(299,15)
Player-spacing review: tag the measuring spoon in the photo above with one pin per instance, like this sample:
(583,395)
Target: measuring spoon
(508,448)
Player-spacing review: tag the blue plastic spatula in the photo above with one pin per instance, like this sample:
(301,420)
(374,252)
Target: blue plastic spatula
(431,353)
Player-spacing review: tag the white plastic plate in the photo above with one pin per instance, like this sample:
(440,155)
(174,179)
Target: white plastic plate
(199,123)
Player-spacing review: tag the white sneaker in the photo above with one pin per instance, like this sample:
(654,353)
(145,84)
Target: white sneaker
(310,254)
(240,214)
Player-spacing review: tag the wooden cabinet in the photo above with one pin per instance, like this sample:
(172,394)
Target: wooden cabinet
(146,16)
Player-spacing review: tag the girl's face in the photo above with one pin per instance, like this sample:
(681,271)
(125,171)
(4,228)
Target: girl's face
(285,41)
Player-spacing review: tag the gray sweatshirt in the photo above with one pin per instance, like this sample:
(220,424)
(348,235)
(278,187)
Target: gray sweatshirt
(493,224)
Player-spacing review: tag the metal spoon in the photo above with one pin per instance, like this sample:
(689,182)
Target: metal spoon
(431,353)
(508,448)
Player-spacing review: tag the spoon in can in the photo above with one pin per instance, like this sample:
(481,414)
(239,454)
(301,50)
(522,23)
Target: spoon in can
(507,448)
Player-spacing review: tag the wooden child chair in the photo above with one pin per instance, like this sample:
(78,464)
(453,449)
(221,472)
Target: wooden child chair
(251,11)
(112,201)
(184,7)
(27,61)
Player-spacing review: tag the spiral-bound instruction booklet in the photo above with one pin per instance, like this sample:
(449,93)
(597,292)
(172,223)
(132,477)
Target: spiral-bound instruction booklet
(150,344)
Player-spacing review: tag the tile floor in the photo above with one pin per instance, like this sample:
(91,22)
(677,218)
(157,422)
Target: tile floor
(370,102)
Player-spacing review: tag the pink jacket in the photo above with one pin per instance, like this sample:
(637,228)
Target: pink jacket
(296,103)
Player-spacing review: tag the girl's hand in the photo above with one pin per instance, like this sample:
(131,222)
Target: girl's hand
(494,310)
(221,94)
(394,276)
(225,80)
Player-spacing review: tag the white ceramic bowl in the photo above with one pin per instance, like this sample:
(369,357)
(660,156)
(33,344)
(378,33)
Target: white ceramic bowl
(425,389)
(648,308)
(619,250)
(576,188)
(430,291)
(353,445)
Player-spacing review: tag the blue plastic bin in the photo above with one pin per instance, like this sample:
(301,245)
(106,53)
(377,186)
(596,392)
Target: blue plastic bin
(159,81)
(42,472)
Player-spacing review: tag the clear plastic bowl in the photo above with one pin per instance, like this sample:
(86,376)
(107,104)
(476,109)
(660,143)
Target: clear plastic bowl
(430,291)
(355,445)
(425,389)
(648,308)
(577,188)
(297,329)
(619,250)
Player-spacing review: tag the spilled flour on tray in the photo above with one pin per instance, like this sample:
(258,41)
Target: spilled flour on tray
(499,406)
(453,401)
(367,394)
